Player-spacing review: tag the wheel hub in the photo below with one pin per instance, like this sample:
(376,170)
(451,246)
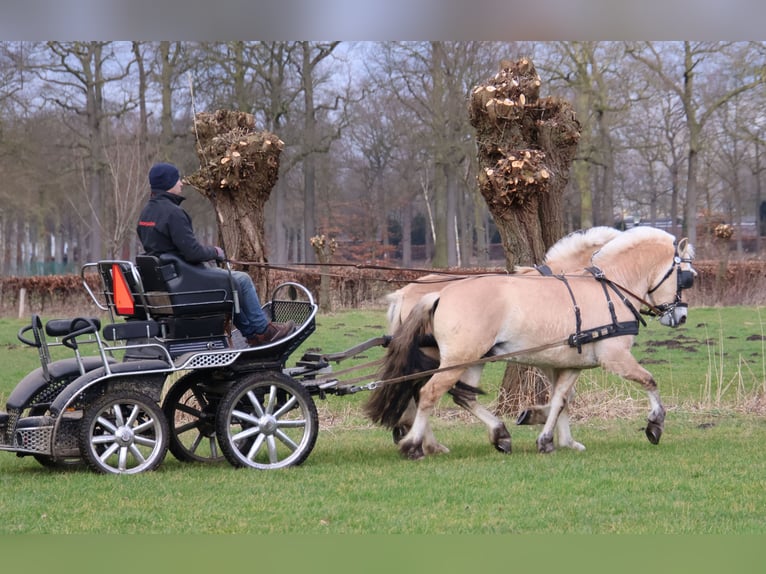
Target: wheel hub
(268,424)
(124,436)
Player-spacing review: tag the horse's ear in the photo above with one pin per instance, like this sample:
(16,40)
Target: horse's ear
(682,245)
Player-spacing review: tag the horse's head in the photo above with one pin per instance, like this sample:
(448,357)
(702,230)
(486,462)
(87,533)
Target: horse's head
(650,265)
(680,276)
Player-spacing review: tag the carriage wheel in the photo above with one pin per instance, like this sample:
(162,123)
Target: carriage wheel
(267,421)
(190,407)
(124,432)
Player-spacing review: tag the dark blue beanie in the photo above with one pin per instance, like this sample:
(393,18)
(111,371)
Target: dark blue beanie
(163,176)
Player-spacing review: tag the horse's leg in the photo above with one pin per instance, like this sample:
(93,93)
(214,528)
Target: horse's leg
(499,436)
(420,440)
(404,424)
(563,432)
(561,389)
(538,414)
(626,366)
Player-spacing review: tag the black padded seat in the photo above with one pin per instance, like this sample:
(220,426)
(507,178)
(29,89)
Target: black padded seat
(174,287)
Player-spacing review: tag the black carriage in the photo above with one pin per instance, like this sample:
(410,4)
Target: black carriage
(168,373)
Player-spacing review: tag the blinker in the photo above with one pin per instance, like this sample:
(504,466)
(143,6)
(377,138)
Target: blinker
(685,279)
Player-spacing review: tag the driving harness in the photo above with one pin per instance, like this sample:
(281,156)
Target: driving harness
(615,329)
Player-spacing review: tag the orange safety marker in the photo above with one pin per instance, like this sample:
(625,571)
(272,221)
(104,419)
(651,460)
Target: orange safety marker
(123,300)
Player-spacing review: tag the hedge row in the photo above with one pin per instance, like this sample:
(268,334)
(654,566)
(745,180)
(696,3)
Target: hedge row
(717,283)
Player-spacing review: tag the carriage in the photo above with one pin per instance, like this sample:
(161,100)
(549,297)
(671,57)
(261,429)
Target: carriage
(166,372)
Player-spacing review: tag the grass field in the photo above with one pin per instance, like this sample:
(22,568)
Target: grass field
(707,476)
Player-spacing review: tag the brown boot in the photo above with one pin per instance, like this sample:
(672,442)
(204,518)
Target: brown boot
(273,332)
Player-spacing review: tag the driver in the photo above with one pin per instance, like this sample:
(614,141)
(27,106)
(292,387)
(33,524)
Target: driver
(164,227)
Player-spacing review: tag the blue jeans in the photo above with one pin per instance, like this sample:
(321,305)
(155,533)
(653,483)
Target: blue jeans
(251,319)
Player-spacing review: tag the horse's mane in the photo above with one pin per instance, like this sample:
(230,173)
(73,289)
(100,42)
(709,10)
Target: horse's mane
(630,239)
(579,243)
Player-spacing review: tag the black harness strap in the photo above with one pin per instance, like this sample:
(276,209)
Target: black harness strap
(616,329)
(599,276)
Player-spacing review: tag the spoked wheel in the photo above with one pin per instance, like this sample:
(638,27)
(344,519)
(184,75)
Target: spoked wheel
(124,432)
(267,421)
(190,407)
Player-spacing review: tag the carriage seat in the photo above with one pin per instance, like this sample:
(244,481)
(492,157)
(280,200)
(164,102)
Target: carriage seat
(174,287)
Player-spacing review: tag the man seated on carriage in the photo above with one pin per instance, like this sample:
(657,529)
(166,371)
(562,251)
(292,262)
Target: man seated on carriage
(164,227)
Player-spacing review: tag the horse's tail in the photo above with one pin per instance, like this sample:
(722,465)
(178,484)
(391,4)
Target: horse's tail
(404,357)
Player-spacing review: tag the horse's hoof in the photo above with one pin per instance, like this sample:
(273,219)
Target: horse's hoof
(504,446)
(412,451)
(436,448)
(545,444)
(501,439)
(653,432)
(524,416)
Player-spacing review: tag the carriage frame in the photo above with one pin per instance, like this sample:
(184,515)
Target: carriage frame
(168,372)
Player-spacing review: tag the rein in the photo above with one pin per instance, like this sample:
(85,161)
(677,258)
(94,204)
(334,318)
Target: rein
(350,389)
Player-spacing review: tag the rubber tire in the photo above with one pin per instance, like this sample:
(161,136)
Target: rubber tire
(193,439)
(285,437)
(99,425)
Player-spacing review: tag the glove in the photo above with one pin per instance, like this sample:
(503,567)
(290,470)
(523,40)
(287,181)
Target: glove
(219,254)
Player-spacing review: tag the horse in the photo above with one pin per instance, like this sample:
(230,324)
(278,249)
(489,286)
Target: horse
(570,253)
(564,323)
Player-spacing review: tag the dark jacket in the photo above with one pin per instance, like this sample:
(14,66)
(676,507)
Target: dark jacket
(164,227)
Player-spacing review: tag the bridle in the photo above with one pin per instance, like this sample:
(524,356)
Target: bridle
(670,313)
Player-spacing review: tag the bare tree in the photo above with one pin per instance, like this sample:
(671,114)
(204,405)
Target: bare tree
(698,106)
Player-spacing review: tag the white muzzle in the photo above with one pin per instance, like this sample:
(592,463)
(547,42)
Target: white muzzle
(675,316)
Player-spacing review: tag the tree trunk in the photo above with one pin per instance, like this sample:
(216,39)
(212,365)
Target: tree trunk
(239,169)
(525,145)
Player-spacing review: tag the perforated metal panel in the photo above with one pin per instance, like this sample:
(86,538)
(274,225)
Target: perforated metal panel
(36,439)
(203,360)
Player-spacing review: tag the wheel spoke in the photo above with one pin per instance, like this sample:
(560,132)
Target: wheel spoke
(247,433)
(245,417)
(109,452)
(189,410)
(134,412)
(187,427)
(286,407)
(292,424)
(148,424)
(257,444)
(137,453)
(256,403)
(103,439)
(286,439)
(144,440)
(122,463)
(118,418)
(272,445)
(106,423)
(272,399)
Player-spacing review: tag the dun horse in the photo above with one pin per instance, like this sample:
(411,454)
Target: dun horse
(571,253)
(563,323)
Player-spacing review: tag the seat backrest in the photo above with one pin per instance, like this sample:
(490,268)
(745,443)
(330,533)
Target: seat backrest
(175,287)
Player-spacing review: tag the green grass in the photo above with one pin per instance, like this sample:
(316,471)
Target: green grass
(705,477)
